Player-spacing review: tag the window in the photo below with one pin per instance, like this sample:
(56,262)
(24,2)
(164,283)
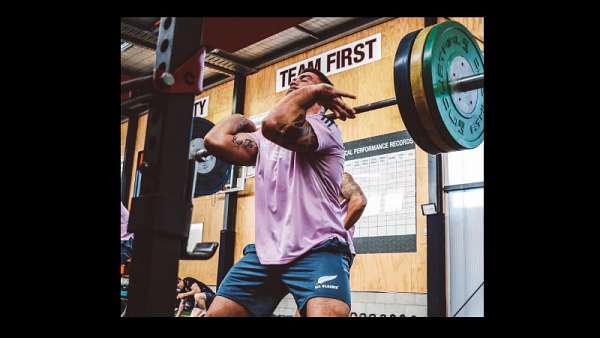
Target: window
(465,166)
(465,251)
(464,191)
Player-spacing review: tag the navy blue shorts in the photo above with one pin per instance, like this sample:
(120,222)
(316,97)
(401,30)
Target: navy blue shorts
(323,271)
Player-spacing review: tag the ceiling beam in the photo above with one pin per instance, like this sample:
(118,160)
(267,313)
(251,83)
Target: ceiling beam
(138,36)
(327,36)
(307,32)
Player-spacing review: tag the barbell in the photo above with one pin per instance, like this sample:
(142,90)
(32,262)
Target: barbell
(438,82)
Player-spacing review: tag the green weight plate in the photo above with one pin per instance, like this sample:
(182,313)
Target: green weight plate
(418,92)
(404,98)
(450,52)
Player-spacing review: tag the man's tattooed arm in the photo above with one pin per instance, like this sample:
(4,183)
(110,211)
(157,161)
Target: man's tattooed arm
(297,136)
(357,201)
(244,140)
(287,126)
(231,140)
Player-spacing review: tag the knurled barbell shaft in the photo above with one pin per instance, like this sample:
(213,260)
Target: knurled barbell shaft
(375,105)
(467,83)
(464,84)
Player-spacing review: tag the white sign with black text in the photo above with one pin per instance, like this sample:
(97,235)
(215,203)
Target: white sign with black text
(385,168)
(201,107)
(337,60)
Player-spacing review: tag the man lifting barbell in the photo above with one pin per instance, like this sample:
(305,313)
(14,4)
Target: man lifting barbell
(301,244)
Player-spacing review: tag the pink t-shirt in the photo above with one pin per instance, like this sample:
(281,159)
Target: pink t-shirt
(344,206)
(124,221)
(296,195)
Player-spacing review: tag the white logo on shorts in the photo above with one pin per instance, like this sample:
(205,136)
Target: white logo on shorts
(324,279)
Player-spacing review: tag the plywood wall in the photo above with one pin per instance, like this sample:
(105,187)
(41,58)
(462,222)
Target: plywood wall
(123,138)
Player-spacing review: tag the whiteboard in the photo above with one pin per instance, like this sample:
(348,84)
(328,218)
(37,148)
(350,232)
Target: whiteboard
(195,236)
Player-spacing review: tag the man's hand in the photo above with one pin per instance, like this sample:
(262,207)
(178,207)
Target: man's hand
(331,98)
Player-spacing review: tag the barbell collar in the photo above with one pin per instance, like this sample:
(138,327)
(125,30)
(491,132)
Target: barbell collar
(201,155)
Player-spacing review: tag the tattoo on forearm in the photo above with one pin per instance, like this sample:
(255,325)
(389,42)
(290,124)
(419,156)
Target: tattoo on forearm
(349,187)
(244,141)
(299,137)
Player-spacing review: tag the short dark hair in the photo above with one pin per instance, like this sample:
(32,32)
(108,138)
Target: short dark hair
(318,73)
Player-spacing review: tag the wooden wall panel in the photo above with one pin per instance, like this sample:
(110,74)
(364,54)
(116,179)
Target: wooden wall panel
(123,138)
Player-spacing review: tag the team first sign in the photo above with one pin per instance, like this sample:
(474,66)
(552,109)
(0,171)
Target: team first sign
(337,60)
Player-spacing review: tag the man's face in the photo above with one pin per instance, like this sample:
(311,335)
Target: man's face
(303,80)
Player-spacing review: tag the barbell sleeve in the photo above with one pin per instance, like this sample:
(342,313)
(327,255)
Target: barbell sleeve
(467,83)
